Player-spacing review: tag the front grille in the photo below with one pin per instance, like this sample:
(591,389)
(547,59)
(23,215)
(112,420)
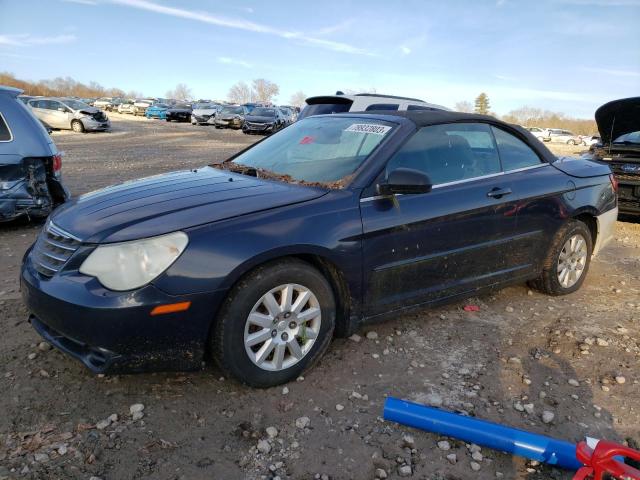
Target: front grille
(52,250)
(625,177)
(260,126)
(100,116)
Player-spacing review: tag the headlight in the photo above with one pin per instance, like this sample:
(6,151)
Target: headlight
(129,265)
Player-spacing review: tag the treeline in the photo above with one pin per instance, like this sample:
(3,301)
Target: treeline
(64,87)
(535,117)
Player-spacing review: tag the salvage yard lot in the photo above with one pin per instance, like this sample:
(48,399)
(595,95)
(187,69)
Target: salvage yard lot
(521,354)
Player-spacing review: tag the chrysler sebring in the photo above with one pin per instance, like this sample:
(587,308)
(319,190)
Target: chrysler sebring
(332,222)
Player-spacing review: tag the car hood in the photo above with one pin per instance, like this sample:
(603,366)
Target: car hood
(88,110)
(173,201)
(259,119)
(179,110)
(617,118)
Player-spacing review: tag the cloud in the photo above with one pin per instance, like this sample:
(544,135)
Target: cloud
(405,50)
(614,72)
(28,40)
(240,24)
(233,61)
(338,27)
(82,2)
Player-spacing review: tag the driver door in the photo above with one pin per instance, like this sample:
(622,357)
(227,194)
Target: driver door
(420,248)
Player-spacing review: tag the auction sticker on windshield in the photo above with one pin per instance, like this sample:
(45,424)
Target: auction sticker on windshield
(368,128)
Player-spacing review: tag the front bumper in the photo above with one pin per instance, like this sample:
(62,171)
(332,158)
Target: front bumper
(93,125)
(113,332)
(228,123)
(628,194)
(257,127)
(200,118)
(180,117)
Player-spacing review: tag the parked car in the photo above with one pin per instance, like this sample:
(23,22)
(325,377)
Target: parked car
(335,221)
(103,102)
(264,120)
(557,135)
(231,116)
(126,107)
(140,105)
(180,112)
(25,98)
(68,113)
(203,112)
(541,134)
(30,164)
(157,110)
(619,126)
(287,113)
(590,140)
(362,102)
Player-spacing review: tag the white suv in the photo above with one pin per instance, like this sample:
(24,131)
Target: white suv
(362,102)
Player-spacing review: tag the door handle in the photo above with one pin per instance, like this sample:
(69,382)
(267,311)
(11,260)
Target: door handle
(498,192)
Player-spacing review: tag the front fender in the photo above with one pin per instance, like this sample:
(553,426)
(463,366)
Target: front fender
(219,254)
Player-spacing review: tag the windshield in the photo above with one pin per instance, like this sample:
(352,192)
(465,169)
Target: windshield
(263,112)
(320,149)
(161,105)
(234,110)
(75,104)
(182,105)
(632,137)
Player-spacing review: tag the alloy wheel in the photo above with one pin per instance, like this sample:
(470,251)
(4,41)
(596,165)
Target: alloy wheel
(282,327)
(572,261)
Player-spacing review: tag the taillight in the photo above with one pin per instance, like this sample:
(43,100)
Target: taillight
(614,182)
(57,162)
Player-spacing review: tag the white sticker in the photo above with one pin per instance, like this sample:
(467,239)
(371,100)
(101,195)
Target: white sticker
(368,128)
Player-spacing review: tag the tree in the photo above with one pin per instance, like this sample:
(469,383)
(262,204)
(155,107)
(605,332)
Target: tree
(482,104)
(464,107)
(298,98)
(239,93)
(181,92)
(264,91)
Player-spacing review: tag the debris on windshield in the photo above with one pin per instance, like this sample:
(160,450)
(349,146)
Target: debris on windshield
(262,173)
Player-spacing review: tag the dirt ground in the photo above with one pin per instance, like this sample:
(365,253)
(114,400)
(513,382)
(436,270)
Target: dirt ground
(521,354)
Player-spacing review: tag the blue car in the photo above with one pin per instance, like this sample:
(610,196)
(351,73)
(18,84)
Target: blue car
(333,222)
(158,110)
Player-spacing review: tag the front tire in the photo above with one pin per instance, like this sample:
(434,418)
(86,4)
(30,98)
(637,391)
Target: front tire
(568,260)
(276,323)
(77,126)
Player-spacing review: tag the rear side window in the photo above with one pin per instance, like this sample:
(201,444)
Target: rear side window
(514,153)
(324,109)
(383,106)
(5,133)
(449,153)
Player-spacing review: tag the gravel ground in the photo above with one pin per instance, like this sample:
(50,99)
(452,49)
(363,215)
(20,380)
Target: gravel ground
(565,367)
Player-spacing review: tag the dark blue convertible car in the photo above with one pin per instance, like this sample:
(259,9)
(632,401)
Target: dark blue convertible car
(334,221)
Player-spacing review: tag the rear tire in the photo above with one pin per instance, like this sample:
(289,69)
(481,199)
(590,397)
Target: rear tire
(77,126)
(298,325)
(568,260)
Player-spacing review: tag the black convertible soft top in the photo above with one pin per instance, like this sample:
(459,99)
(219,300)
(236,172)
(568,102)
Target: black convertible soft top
(424,118)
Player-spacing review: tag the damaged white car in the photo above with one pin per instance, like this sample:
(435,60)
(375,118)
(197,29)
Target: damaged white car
(69,114)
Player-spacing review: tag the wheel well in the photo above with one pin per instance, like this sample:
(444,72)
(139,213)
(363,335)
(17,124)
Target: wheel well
(590,221)
(340,289)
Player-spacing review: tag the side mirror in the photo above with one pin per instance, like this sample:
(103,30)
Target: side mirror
(406,181)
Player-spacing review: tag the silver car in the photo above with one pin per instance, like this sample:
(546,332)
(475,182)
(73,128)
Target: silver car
(557,135)
(68,113)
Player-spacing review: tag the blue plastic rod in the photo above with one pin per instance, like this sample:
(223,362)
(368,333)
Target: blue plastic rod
(481,432)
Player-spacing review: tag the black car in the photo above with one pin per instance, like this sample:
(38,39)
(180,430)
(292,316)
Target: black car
(30,164)
(231,116)
(330,223)
(619,147)
(264,120)
(180,112)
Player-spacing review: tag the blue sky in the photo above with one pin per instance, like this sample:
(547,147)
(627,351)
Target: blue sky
(563,55)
